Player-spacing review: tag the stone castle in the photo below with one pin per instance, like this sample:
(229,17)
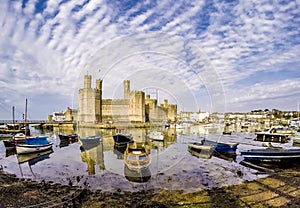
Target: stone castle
(135,107)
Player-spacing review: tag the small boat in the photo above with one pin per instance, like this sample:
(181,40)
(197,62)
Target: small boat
(201,146)
(19,136)
(296,141)
(32,148)
(11,143)
(71,138)
(200,153)
(271,135)
(272,155)
(121,138)
(90,142)
(136,158)
(227,132)
(156,135)
(222,148)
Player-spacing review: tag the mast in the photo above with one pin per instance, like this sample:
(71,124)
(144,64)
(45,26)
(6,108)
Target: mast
(25,118)
(13,114)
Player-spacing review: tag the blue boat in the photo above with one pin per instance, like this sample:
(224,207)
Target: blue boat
(222,148)
(272,155)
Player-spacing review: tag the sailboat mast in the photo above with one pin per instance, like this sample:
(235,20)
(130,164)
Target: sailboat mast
(13,114)
(25,118)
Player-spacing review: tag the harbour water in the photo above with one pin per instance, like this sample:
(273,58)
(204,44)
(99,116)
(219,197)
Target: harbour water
(172,166)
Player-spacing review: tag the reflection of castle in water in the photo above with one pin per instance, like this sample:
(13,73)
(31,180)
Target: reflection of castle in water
(93,157)
(135,107)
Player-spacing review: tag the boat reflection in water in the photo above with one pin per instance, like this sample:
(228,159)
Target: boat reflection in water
(138,176)
(137,162)
(33,158)
(119,150)
(228,157)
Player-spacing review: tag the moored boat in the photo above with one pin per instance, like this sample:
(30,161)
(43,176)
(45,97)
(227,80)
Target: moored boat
(70,138)
(271,135)
(201,151)
(136,158)
(222,148)
(156,135)
(31,148)
(121,137)
(272,155)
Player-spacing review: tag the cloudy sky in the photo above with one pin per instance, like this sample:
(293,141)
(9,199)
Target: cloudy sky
(211,55)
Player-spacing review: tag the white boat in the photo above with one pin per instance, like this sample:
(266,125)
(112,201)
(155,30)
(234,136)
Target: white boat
(31,148)
(156,135)
(19,136)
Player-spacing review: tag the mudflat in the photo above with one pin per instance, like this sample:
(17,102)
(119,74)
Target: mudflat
(279,189)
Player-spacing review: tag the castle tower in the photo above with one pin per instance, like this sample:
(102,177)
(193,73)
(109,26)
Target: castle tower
(98,100)
(87,81)
(126,89)
(165,103)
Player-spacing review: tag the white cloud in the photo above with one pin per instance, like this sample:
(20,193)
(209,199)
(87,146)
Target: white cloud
(52,48)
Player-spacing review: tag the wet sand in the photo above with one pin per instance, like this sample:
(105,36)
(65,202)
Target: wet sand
(280,189)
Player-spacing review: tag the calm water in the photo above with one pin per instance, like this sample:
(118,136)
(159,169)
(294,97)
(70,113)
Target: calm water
(172,166)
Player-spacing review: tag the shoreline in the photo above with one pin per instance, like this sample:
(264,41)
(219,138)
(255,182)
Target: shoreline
(281,189)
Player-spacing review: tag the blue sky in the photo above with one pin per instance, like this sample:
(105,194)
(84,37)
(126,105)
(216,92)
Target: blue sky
(211,55)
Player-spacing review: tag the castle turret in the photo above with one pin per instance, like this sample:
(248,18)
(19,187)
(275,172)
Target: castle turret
(87,81)
(126,89)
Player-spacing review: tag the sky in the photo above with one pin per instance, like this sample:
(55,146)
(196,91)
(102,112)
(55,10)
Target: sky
(213,55)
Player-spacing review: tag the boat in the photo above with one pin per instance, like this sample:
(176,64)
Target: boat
(201,146)
(22,139)
(204,152)
(271,135)
(19,136)
(121,137)
(156,135)
(227,132)
(32,148)
(89,142)
(296,140)
(71,138)
(136,157)
(222,148)
(272,155)
(11,143)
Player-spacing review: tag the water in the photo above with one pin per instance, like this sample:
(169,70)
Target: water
(172,166)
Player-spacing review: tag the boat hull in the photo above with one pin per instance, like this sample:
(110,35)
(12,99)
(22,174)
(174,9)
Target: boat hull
(121,139)
(30,148)
(223,148)
(272,155)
